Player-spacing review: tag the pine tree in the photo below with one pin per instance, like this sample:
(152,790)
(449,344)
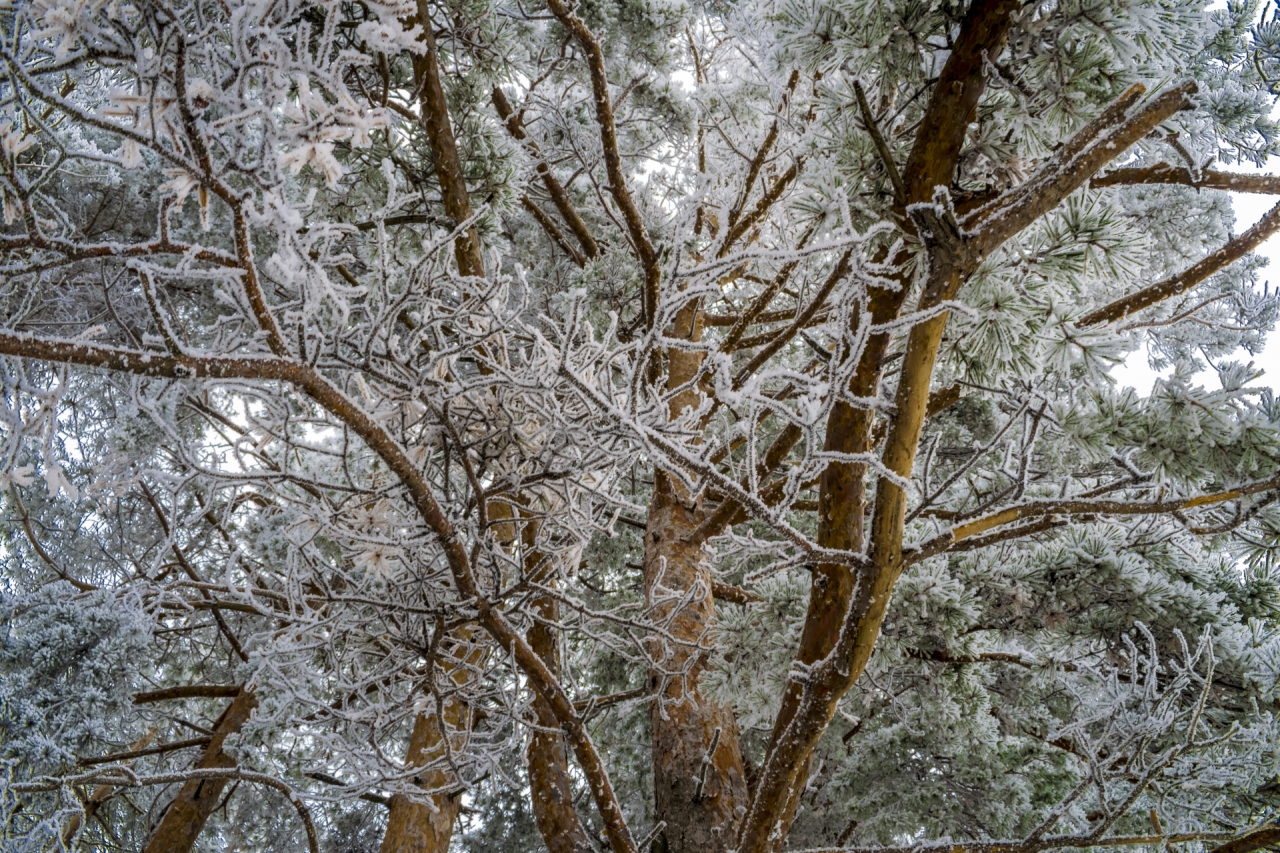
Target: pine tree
(637,426)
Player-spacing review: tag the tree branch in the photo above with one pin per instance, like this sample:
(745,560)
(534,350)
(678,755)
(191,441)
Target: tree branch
(188,691)
(1193,275)
(559,197)
(1208,179)
(645,251)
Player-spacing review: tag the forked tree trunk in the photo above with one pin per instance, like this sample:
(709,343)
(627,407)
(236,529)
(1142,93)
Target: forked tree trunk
(186,816)
(700,787)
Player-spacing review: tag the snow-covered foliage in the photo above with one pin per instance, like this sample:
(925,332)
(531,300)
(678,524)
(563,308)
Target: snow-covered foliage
(267,429)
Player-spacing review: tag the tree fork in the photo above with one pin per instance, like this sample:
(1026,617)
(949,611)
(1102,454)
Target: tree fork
(807,708)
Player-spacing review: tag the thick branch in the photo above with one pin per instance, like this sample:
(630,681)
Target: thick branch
(1081,507)
(188,691)
(1267,836)
(186,816)
(933,158)
(1079,159)
(444,149)
(1207,179)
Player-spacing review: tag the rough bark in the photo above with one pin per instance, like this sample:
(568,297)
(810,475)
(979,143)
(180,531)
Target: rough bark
(187,814)
(548,760)
(415,825)
(700,787)
(1259,839)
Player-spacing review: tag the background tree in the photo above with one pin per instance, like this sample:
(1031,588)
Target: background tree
(636,426)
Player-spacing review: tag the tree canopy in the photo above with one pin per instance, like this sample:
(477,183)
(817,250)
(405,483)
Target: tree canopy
(637,425)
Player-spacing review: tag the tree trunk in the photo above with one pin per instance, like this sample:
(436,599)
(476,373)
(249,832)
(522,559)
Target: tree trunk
(425,824)
(414,826)
(186,816)
(548,761)
(700,787)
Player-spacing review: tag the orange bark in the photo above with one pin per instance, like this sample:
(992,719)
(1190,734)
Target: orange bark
(415,825)
(700,787)
(548,760)
(187,814)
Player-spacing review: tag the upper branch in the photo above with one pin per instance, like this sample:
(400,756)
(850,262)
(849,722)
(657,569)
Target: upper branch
(1079,507)
(942,131)
(644,249)
(559,197)
(1208,179)
(1093,147)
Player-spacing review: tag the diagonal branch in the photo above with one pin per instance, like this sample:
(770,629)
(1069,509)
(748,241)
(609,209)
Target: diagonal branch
(444,148)
(942,131)
(643,246)
(762,154)
(1193,275)
(559,196)
(553,231)
(882,147)
(1090,149)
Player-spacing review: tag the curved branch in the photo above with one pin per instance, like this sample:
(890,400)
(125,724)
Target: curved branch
(397,459)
